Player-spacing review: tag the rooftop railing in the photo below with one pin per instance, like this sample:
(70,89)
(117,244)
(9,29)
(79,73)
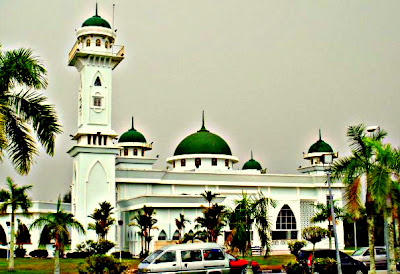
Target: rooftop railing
(116,50)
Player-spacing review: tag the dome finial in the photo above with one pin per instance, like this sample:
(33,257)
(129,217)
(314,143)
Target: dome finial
(320,135)
(133,124)
(96,9)
(203,127)
(251,155)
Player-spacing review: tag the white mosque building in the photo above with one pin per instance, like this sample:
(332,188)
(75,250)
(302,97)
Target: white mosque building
(122,173)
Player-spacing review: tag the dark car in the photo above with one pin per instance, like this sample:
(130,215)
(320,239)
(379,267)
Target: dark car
(349,265)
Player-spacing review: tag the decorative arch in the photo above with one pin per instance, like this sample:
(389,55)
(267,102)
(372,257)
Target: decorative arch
(176,235)
(97,82)
(286,219)
(23,236)
(98,79)
(97,164)
(162,236)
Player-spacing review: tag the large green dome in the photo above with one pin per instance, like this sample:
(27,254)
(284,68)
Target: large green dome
(203,142)
(320,146)
(132,135)
(96,21)
(252,164)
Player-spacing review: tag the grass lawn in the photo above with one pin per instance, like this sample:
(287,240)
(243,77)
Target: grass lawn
(31,265)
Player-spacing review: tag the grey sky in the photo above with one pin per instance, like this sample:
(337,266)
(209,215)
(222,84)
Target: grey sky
(268,74)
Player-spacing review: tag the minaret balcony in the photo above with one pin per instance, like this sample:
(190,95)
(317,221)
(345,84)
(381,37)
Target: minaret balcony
(116,52)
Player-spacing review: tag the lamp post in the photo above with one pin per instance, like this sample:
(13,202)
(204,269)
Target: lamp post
(327,160)
(120,223)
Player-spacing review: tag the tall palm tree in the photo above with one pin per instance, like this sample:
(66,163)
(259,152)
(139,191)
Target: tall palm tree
(103,219)
(57,224)
(14,198)
(213,220)
(145,221)
(26,110)
(386,167)
(351,169)
(150,221)
(324,214)
(209,196)
(180,224)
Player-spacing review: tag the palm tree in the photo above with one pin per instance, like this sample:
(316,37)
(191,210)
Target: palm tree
(26,110)
(57,224)
(180,224)
(150,221)
(314,234)
(213,221)
(14,198)
(209,196)
(324,214)
(386,167)
(103,219)
(351,169)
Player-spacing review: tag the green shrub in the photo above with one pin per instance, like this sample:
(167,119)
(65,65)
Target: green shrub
(99,263)
(20,252)
(100,247)
(295,246)
(294,268)
(325,265)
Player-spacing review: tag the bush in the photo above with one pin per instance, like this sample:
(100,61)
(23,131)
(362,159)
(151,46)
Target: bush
(325,265)
(39,253)
(20,252)
(294,268)
(100,247)
(295,246)
(124,255)
(78,255)
(98,263)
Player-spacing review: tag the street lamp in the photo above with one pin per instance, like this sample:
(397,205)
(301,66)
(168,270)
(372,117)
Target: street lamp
(327,159)
(120,223)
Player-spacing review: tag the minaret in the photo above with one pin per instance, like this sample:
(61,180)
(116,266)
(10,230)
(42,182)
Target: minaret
(95,56)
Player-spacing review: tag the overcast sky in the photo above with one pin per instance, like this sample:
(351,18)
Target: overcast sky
(268,74)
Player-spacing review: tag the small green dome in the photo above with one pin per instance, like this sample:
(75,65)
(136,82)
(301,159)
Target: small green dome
(132,135)
(203,142)
(252,164)
(96,21)
(320,146)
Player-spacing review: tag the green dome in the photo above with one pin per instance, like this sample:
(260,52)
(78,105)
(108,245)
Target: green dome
(132,135)
(96,21)
(320,146)
(203,142)
(252,164)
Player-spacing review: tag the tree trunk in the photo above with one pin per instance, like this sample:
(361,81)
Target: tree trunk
(312,258)
(329,235)
(390,239)
(371,241)
(57,261)
(12,236)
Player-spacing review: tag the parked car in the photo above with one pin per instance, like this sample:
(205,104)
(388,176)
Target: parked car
(187,258)
(349,265)
(362,254)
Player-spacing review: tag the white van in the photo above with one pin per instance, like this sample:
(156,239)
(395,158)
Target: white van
(208,258)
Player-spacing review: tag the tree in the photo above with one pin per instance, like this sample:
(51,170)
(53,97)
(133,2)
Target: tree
(209,196)
(351,170)
(14,198)
(250,210)
(57,225)
(145,221)
(314,234)
(103,219)
(324,214)
(180,224)
(26,110)
(213,220)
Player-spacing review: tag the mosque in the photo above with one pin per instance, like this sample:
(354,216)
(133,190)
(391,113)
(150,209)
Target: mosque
(118,168)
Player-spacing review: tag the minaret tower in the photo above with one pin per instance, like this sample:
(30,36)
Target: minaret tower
(95,56)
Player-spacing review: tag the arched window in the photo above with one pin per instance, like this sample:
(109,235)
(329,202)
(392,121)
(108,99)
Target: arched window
(162,236)
(197,162)
(143,152)
(286,227)
(97,82)
(227,162)
(125,152)
(135,151)
(88,42)
(183,162)
(106,44)
(98,43)
(176,236)
(173,164)
(214,161)
(190,232)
